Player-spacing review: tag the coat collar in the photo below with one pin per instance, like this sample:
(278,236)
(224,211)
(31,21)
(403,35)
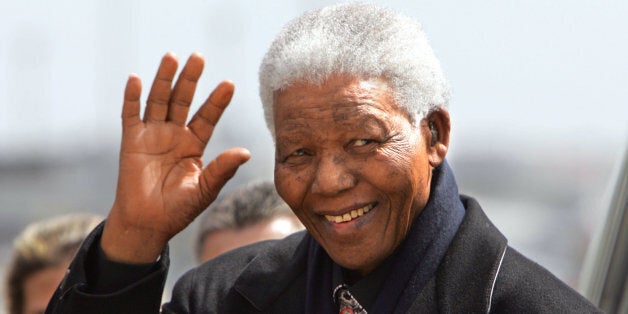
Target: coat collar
(464,280)
(277,267)
(467,275)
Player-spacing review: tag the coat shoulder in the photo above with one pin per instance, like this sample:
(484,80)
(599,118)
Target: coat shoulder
(525,286)
(214,285)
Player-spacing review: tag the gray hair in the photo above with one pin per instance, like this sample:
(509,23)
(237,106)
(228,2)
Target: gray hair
(361,40)
(249,205)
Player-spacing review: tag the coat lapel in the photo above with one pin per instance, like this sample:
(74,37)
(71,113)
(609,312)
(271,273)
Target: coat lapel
(467,275)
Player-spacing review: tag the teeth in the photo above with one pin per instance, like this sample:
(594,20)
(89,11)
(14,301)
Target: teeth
(346,217)
(350,215)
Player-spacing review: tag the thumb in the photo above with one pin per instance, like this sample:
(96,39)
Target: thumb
(219,171)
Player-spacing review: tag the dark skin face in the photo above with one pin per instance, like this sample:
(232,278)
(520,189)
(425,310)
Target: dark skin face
(353,167)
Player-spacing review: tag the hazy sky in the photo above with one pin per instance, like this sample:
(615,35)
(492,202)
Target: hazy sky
(527,71)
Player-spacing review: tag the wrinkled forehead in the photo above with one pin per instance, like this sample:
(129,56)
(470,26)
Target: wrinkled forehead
(336,89)
(340,97)
(343,105)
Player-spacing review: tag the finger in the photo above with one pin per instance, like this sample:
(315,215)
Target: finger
(220,170)
(184,89)
(157,103)
(205,119)
(131,104)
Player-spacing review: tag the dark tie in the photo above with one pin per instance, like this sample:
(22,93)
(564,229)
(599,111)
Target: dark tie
(347,303)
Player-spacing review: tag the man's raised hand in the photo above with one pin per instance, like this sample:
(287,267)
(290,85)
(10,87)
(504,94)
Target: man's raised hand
(162,184)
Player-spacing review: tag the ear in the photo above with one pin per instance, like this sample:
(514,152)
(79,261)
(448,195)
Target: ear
(436,127)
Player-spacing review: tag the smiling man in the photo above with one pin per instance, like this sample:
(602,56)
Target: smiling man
(357,104)
(356,173)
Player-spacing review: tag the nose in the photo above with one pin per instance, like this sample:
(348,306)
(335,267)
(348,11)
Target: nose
(332,176)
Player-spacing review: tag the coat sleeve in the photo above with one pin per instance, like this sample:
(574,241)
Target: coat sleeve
(77,293)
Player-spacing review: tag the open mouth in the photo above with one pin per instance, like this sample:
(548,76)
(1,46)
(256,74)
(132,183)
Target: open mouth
(350,215)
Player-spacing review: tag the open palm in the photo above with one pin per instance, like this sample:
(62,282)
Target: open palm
(162,183)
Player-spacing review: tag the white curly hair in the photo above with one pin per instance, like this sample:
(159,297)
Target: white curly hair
(357,39)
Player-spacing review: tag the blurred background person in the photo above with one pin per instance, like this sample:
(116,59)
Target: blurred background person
(250,214)
(41,255)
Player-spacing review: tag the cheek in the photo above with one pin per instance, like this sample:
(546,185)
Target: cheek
(397,164)
(290,186)
(392,174)
(401,173)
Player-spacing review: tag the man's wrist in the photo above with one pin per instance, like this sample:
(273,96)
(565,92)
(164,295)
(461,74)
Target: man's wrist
(130,246)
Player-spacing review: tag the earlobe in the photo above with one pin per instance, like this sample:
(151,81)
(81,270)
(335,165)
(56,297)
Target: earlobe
(439,125)
(437,155)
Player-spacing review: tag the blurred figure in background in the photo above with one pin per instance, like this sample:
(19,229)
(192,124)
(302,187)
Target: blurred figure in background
(250,214)
(41,255)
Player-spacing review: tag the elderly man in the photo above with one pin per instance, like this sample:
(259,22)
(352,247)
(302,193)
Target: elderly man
(356,102)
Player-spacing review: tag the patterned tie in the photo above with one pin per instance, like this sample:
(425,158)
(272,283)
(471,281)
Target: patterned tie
(347,303)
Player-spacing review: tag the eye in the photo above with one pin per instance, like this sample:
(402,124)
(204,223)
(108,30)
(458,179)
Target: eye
(298,156)
(362,145)
(298,152)
(362,142)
